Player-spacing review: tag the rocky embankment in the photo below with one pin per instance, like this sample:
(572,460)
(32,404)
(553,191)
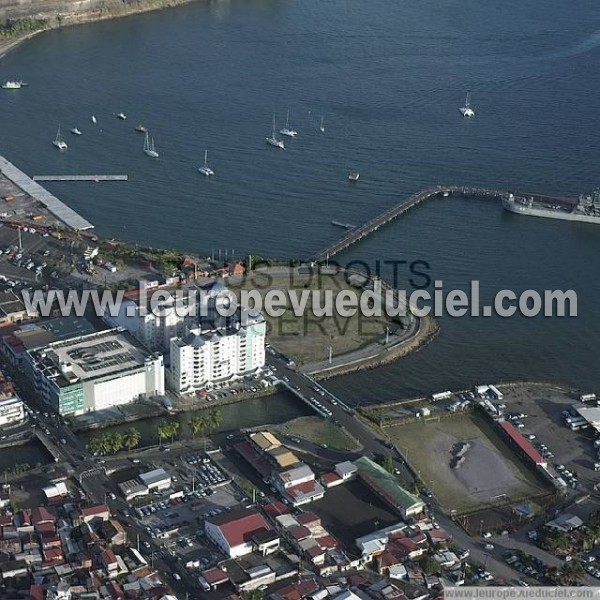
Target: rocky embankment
(39,15)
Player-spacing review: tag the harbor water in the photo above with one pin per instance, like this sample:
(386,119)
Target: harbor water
(388,79)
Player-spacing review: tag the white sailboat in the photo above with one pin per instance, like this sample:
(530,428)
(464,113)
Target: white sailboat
(273,140)
(205,169)
(322,126)
(121,116)
(94,119)
(466,110)
(75,131)
(58,141)
(286,130)
(149,149)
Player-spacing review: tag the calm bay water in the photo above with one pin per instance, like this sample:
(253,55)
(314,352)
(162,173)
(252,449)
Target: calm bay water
(388,77)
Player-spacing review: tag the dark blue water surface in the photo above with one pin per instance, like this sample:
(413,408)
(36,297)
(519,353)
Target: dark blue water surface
(388,77)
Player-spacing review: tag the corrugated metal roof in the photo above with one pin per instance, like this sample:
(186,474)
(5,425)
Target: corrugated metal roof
(59,209)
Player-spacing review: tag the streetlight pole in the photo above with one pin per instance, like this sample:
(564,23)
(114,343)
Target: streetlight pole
(330,354)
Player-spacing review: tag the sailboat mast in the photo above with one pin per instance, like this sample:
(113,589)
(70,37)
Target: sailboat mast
(205,158)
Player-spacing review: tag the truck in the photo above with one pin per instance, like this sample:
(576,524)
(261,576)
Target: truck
(496,393)
(587,397)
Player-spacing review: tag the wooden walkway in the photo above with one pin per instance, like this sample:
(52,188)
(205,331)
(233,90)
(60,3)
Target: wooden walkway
(375,223)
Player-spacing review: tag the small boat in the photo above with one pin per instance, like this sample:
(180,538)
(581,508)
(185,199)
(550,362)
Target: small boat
(121,116)
(58,141)
(354,176)
(273,140)
(205,169)
(75,131)
(286,130)
(322,126)
(446,194)
(466,110)
(141,129)
(94,119)
(149,149)
(13,85)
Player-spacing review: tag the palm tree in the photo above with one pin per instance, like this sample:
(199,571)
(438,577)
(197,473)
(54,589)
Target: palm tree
(570,573)
(214,419)
(196,425)
(115,441)
(132,438)
(557,540)
(174,427)
(163,431)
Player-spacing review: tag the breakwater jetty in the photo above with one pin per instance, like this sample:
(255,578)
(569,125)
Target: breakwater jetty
(58,208)
(399,209)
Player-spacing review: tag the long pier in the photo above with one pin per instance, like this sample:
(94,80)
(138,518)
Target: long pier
(375,223)
(80,178)
(59,209)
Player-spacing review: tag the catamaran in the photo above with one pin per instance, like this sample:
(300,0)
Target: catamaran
(13,85)
(466,110)
(58,141)
(354,176)
(149,149)
(205,169)
(273,140)
(75,131)
(322,126)
(286,130)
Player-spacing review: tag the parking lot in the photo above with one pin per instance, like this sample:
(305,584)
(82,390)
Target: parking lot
(539,413)
(174,519)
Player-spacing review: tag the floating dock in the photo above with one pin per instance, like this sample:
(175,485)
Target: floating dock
(80,178)
(59,209)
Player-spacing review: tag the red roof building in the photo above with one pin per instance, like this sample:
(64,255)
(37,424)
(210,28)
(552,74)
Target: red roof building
(524,445)
(232,532)
(275,509)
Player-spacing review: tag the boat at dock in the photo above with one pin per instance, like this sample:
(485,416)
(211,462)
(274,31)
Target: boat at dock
(205,169)
(149,149)
(287,130)
(58,141)
(272,140)
(13,85)
(586,209)
(75,131)
(466,110)
(344,225)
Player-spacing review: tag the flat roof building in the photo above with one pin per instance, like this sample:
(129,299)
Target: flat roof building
(12,411)
(158,479)
(94,372)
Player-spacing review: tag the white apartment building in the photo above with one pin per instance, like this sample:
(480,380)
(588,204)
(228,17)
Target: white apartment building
(154,329)
(206,358)
(11,411)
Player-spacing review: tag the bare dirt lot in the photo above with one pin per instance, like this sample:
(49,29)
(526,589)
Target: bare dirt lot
(307,338)
(490,473)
